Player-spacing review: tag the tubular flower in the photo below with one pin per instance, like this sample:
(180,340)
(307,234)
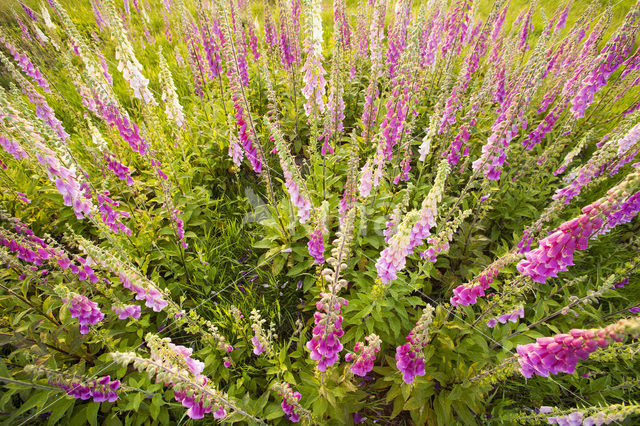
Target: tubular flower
(561,353)
(173,109)
(509,316)
(86,311)
(413,230)
(325,344)
(126,311)
(128,64)
(314,82)
(316,245)
(409,357)
(100,390)
(293,180)
(262,339)
(363,355)
(555,252)
(291,402)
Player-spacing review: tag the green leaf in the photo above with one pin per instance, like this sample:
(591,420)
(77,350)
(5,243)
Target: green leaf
(59,409)
(273,411)
(154,407)
(92,413)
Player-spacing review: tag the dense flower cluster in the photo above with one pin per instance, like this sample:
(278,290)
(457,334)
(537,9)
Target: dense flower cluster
(325,344)
(611,57)
(594,416)
(86,311)
(289,409)
(197,407)
(178,358)
(121,171)
(363,355)
(153,298)
(409,357)
(13,148)
(316,245)
(555,252)
(290,401)
(412,232)
(128,64)
(608,151)
(470,88)
(623,213)
(468,294)
(129,131)
(261,339)
(561,353)
(25,64)
(110,216)
(127,311)
(100,390)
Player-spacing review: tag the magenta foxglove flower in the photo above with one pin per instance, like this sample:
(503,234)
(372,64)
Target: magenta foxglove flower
(13,148)
(86,311)
(468,294)
(509,316)
(121,171)
(316,245)
(363,356)
(325,344)
(561,353)
(100,390)
(410,361)
(409,357)
(153,298)
(127,311)
(555,252)
(258,348)
(110,216)
(289,408)
(197,407)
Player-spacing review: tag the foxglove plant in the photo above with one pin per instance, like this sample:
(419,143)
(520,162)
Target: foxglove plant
(591,416)
(86,311)
(293,180)
(173,366)
(325,344)
(246,131)
(431,86)
(562,352)
(413,230)
(291,402)
(173,109)
(17,126)
(364,355)
(25,63)
(43,110)
(555,252)
(262,339)
(128,64)
(611,57)
(127,311)
(409,357)
(101,389)
(314,82)
(467,294)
